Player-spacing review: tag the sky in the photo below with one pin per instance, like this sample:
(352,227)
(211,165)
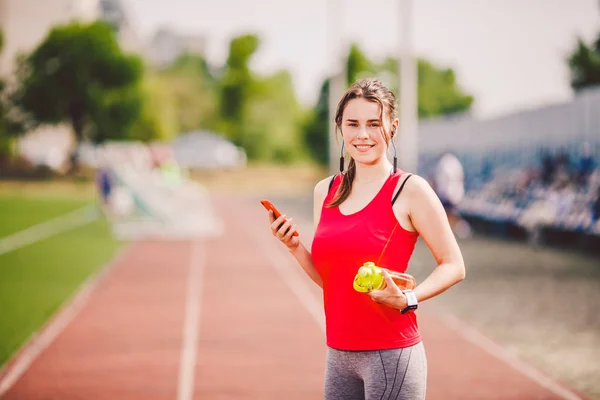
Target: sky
(509,54)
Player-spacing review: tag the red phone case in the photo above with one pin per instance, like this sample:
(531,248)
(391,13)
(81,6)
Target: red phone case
(270,207)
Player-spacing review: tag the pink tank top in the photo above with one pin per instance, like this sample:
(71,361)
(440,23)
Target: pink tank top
(342,243)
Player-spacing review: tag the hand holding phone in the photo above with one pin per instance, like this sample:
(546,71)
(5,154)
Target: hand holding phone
(270,207)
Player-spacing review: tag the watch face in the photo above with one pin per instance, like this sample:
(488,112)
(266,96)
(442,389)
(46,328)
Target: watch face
(411,298)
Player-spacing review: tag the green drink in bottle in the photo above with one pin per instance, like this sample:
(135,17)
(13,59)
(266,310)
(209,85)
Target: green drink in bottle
(370,277)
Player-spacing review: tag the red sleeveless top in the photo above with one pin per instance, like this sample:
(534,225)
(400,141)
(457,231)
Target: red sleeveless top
(343,243)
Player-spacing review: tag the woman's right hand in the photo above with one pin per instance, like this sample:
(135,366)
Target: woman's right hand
(279,232)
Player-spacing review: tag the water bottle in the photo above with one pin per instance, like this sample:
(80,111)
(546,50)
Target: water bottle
(369,277)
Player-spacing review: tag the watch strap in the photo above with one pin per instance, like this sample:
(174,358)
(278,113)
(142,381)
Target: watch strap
(412,302)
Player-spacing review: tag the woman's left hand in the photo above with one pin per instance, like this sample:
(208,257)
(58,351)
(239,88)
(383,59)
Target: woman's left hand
(391,296)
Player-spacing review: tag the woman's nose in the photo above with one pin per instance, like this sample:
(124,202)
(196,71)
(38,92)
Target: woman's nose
(362,133)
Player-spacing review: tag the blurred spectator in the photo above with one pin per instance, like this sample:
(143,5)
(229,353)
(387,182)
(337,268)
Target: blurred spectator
(449,184)
(596,208)
(548,168)
(562,174)
(525,179)
(104,183)
(486,170)
(586,164)
(174,176)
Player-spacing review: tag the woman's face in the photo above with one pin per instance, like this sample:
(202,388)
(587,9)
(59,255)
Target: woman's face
(362,131)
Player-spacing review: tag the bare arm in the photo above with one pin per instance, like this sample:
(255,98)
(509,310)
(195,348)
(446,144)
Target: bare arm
(427,216)
(429,219)
(296,248)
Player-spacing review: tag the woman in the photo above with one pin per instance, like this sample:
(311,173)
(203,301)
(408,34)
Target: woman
(373,212)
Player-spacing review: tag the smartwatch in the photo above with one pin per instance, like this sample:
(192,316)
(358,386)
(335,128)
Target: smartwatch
(411,298)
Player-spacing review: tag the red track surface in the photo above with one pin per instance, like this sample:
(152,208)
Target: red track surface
(256,339)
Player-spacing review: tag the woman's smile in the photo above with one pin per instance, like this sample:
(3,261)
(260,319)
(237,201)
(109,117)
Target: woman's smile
(363,148)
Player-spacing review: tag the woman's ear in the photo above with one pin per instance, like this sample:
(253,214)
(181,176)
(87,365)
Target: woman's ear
(394,126)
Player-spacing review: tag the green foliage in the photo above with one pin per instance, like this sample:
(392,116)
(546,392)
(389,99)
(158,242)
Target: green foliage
(584,64)
(358,65)
(272,120)
(235,84)
(259,113)
(439,93)
(5,139)
(317,127)
(158,119)
(113,113)
(80,75)
(189,89)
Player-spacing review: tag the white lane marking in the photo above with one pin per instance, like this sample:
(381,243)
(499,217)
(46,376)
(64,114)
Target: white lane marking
(289,271)
(49,228)
(485,343)
(189,348)
(39,341)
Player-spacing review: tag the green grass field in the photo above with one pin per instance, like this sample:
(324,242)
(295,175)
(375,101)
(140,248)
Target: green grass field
(36,279)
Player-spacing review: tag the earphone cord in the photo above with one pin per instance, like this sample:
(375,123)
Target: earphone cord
(386,244)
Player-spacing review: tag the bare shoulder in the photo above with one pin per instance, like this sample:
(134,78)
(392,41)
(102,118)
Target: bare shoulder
(421,198)
(416,188)
(417,185)
(320,193)
(322,188)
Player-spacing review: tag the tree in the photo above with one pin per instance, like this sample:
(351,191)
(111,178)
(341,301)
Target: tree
(190,89)
(584,64)
(317,127)
(358,65)
(235,85)
(439,92)
(80,75)
(5,138)
(273,119)
(158,116)
(259,113)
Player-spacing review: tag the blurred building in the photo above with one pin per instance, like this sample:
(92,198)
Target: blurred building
(25,23)
(116,13)
(167,45)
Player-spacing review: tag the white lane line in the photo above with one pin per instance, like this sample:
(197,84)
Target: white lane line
(189,348)
(289,271)
(39,341)
(49,228)
(496,350)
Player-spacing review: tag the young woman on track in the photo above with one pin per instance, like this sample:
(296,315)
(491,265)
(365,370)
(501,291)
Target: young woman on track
(374,346)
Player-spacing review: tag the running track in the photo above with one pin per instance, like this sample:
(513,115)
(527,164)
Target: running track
(229,318)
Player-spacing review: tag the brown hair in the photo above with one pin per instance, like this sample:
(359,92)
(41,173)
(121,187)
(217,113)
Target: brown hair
(372,90)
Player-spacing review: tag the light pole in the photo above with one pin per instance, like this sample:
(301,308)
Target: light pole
(407,143)
(337,77)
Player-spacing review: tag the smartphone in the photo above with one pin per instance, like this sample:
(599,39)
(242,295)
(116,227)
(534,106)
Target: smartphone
(270,207)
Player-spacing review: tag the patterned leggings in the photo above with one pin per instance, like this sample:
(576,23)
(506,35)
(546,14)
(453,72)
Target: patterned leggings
(376,375)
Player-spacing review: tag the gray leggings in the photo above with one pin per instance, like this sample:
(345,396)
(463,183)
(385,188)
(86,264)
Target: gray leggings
(376,375)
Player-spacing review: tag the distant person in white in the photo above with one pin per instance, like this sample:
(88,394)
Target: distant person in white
(449,184)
